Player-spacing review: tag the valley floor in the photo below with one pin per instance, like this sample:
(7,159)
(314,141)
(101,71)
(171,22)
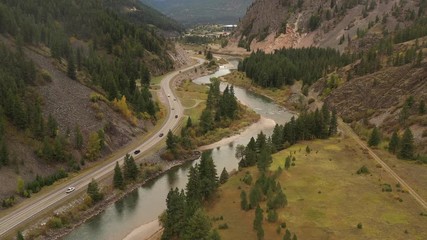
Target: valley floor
(327,199)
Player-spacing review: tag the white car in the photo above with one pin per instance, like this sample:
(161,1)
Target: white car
(70,189)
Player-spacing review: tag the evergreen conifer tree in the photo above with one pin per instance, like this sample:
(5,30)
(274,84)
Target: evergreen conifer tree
(118,177)
(243,200)
(407,145)
(394,143)
(71,68)
(130,169)
(223,177)
(375,138)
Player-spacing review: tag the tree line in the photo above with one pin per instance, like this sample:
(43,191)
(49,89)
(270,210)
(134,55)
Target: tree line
(221,109)
(309,125)
(184,217)
(285,66)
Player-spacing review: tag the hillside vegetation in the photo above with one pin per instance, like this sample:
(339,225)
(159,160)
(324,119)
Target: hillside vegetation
(340,24)
(74,77)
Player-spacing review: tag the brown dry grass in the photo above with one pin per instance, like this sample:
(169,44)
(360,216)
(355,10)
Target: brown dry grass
(327,199)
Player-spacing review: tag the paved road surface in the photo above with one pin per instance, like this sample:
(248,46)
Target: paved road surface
(31,208)
(404,185)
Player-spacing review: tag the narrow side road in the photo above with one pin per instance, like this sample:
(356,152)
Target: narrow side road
(34,207)
(347,130)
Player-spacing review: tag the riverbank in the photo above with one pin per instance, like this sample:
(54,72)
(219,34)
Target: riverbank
(77,212)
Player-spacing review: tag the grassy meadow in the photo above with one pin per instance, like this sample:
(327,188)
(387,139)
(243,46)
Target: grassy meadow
(326,198)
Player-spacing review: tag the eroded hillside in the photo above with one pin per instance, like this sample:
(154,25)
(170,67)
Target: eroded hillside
(274,24)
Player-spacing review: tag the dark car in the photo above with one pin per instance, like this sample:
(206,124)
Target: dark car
(161,135)
(176,116)
(136,151)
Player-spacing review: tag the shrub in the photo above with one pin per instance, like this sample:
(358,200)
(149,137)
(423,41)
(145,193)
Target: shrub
(223,226)
(386,188)
(359,226)
(247,178)
(363,170)
(55,222)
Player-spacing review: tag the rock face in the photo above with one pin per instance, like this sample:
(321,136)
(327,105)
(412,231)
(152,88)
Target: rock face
(274,24)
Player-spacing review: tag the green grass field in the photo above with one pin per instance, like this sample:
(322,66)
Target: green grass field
(326,198)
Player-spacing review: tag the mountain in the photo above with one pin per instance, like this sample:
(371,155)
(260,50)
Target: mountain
(140,13)
(193,12)
(273,24)
(74,79)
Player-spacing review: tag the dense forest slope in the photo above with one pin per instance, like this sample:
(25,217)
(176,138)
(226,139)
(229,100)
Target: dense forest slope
(74,79)
(273,24)
(192,12)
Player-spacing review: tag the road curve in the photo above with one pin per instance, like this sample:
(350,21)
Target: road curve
(404,185)
(33,207)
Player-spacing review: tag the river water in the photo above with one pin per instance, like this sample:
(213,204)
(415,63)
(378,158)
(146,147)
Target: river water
(146,203)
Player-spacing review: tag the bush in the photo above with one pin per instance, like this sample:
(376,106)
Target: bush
(247,178)
(386,188)
(8,202)
(359,226)
(223,226)
(363,170)
(55,222)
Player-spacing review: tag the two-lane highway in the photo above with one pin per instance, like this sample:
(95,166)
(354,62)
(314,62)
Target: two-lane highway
(35,206)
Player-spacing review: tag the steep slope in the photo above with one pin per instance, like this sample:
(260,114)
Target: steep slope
(193,12)
(273,24)
(74,84)
(140,13)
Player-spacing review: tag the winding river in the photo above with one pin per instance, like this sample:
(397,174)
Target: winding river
(146,203)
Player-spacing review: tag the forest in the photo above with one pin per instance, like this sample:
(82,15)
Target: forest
(285,66)
(128,47)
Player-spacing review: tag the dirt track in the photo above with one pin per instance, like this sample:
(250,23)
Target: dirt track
(347,130)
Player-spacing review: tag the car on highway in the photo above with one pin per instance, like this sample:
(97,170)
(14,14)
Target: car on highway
(174,99)
(176,116)
(136,152)
(161,135)
(70,189)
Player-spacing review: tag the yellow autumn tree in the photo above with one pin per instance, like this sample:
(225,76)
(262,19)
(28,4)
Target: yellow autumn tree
(123,107)
(93,147)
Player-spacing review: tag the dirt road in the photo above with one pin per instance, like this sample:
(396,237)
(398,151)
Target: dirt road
(347,130)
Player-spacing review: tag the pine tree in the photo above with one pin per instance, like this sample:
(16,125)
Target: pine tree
(118,177)
(223,177)
(175,214)
(93,191)
(375,139)
(255,196)
(258,218)
(264,159)
(189,123)
(171,141)
(197,227)
(294,237)
(394,143)
(243,200)
(194,185)
(130,170)
(407,145)
(206,121)
(208,175)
